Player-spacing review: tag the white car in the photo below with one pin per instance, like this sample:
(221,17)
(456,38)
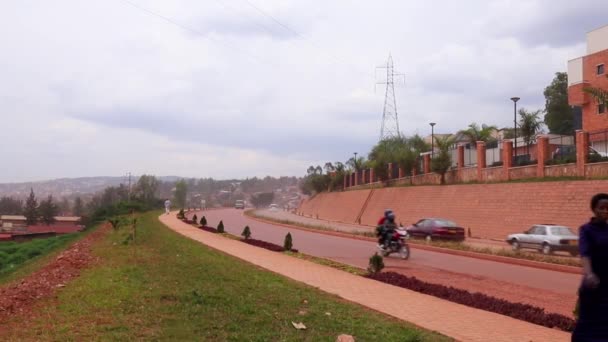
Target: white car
(546,238)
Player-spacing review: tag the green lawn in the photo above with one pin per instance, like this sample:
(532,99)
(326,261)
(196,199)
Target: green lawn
(166,287)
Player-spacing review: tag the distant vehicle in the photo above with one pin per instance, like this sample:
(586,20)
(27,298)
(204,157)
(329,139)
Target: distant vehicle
(436,228)
(273,207)
(569,151)
(546,238)
(239,204)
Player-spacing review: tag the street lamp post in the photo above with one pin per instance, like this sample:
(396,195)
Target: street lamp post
(515,99)
(356,168)
(432,139)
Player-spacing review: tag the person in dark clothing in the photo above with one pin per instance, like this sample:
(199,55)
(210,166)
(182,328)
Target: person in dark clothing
(592,324)
(380,226)
(388,229)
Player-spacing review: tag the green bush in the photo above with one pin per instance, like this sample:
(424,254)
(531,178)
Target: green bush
(376,264)
(220,227)
(246,232)
(194,218)
(203,221)
(288,243)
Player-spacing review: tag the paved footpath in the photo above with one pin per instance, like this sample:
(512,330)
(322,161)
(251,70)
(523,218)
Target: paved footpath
(457,321)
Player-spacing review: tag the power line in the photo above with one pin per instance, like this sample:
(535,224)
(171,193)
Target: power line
(266,14)
(226,6)
(274,19)
(192,30)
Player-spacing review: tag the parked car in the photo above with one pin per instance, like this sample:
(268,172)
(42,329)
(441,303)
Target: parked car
(273,207)
(546,238)
(569,151)
(436,228)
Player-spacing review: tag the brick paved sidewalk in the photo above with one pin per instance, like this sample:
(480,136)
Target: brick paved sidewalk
(457,321)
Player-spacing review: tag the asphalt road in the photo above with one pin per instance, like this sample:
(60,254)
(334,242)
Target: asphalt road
(357,253)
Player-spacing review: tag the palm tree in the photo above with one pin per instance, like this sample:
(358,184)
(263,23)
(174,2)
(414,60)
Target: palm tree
(600,95)
(475,133)
(329,167)
(530,124)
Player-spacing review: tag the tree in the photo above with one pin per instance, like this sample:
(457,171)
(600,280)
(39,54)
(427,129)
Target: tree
(474,133)
(288,242)
(48,210)
(530,124)
(508,133)
(401,150)
(356,164)
(181,191)
(78,207)
(31,209)
(64,207)
(559,116)
(10,206)
(329,167)
(262,199)
(442,161)
(387,151)
(146,189)
(246,232)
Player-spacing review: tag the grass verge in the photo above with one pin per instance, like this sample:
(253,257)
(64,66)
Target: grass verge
(166,287)
(18,259)
(566,261)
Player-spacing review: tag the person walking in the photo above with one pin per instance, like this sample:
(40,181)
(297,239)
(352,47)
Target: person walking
(167,206)
(592,323)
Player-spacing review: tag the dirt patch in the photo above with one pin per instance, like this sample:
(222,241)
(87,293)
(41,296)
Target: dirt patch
(19,297)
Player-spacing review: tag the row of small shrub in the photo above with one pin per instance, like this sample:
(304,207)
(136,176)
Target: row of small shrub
(246,234)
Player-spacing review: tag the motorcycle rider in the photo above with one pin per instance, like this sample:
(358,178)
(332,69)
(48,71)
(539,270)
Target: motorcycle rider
(380,225)
(388,229)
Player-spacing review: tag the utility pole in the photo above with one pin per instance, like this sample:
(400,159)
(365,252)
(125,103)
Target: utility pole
(129,190)
(390,119)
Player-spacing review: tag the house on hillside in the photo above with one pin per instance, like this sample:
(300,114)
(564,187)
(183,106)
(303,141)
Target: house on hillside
(62,225)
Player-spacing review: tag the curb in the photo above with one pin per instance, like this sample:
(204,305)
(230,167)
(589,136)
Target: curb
(481,256)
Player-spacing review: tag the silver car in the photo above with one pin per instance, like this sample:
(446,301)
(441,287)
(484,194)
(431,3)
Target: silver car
(546,238)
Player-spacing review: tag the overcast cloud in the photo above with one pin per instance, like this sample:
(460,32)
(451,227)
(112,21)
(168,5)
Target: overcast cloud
(103,88)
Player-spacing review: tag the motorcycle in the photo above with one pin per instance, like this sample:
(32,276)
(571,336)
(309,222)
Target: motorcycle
(397,244)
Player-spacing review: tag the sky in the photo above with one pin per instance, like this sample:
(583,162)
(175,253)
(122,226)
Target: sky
(243,88)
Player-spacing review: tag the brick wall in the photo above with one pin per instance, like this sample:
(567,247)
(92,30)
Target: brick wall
(493,174)
(523,172)
(336,206)
(468,174)
(565,170)
(596,170)
(490,210)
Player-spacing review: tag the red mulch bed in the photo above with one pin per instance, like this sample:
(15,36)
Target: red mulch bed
(267,245)
(524,312)
(20,296)
(208,229)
